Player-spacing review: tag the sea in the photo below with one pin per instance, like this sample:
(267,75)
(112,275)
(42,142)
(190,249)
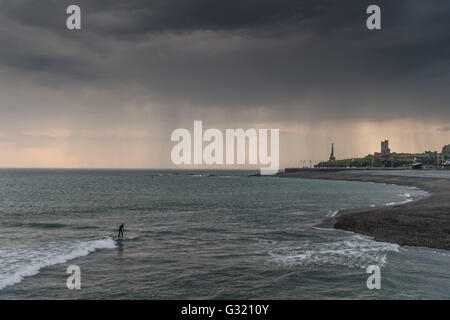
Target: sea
(200,235)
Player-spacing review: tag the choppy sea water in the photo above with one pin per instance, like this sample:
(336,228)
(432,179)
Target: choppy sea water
(200,235)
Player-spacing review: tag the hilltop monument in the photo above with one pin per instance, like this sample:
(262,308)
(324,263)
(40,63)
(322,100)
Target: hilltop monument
(385,151)
(332,157)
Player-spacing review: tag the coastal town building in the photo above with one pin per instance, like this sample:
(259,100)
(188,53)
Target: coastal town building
(446,164)
(446,151)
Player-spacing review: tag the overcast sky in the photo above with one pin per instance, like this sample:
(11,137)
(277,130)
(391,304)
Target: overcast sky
(111,94)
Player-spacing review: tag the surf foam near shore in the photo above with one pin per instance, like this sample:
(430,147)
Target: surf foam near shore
(355,252)
(25,261)
(421,223)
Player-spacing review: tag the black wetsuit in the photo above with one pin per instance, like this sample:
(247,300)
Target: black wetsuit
(120,235)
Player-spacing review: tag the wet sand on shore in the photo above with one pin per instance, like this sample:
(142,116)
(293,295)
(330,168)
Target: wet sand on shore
(421,223)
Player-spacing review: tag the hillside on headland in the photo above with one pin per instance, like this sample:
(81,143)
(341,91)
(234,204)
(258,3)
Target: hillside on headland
(388,159)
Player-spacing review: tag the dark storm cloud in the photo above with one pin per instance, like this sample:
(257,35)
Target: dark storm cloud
(313,59)
(136,17)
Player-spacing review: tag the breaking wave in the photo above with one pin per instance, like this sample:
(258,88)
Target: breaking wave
(357,252)
(20,262)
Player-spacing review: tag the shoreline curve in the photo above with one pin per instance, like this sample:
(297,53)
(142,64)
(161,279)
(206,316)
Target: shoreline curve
(423,222)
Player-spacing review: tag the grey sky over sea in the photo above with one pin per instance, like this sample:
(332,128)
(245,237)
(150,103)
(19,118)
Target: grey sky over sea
(111,94)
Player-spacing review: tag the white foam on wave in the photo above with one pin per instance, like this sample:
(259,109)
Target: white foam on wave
(407,197)
(356,251)
(20,262)
(332,213)
(400,202)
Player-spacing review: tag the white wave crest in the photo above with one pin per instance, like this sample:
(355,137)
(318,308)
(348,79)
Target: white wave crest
(407,198)
(356,251)
(20,262)
(332,213)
